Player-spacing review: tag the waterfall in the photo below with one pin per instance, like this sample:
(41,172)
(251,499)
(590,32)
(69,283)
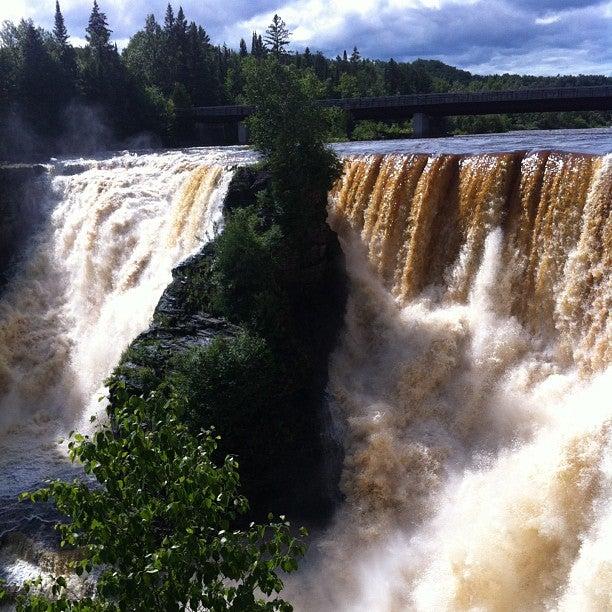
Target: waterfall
(473,386)
(94,277)
(87,286)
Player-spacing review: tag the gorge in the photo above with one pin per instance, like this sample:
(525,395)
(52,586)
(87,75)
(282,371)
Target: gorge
(469,388)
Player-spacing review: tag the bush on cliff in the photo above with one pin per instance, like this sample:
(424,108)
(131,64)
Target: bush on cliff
(246,286)
(275,273)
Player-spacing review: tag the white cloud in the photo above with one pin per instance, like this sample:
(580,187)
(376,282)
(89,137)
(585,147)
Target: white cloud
(529,36)
(14,10)
(548,19)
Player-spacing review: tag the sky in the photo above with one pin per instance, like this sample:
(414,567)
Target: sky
(546,37)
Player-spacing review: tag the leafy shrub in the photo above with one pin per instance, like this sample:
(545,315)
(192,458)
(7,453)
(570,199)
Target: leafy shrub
(246,285)
(162,526)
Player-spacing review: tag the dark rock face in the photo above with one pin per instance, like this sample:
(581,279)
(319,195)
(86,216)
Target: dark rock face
(244,186)
(22,192)
(175,328)
(301,478)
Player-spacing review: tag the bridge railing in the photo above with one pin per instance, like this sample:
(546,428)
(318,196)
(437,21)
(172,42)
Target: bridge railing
(421,102)
(596,91)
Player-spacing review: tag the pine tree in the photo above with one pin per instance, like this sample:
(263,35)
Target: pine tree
(254,44)
(277,36)
(64,53)
(355,56)
(320,66)
(59,31)
(307,57)
(180,46)
(169,18)
(243,48)
(35,64)
(180,23)
(98,33)
(393,78)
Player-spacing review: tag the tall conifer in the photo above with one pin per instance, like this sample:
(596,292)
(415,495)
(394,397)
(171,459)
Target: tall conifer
(97,31)
(243,48)
(277,36)
(60,32)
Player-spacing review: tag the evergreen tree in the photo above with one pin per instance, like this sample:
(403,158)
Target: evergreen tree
(307,58)
(393,78)
(277,36)
(105,81)
(320,66)
(243,48)
(169,18)
(179,33)
(65,54)
(355,56)
(258,49)
(59,31)
(180,24)
(40,83)
(202,81)
(97,31)
(170,61)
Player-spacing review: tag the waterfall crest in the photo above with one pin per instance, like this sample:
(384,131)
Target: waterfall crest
(92,279)
(472,386)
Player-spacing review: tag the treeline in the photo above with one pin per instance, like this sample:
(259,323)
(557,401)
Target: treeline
(58,98)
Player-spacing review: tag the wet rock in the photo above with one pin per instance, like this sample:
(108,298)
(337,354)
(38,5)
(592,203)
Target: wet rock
(176,328)
(23,194)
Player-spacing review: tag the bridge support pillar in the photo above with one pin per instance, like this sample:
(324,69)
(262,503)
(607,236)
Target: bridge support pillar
(243,133)
(350,125)
(427,126)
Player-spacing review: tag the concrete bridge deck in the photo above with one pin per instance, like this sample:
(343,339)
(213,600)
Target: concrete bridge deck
(427,109)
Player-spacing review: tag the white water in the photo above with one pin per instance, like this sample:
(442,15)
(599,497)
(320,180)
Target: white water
(478,472)
(478,475)
(88,287)
(478,468)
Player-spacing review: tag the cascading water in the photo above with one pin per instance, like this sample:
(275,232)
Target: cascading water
(88,286)
(473,384)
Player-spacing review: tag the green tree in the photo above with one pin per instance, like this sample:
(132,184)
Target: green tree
(348,87)
(39,82)
(243,48)
(144,53)
(393,78)
(59,30)
(289,129)
(8,78)
(162,526)
(65,54)
(97,31)
(277,37)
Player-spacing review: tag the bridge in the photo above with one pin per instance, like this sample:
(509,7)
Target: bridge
(428,110)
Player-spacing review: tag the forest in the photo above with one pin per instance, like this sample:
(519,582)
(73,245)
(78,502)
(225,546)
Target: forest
(56,98)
